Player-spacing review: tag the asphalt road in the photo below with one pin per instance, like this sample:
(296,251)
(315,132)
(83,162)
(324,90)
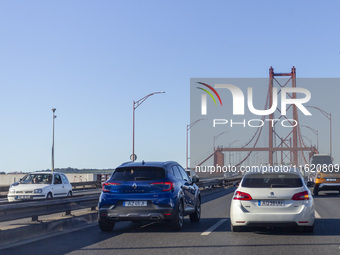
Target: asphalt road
(210,236)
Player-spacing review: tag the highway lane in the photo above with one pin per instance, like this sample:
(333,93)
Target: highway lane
(198,238)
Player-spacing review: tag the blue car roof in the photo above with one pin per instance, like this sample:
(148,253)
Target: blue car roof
(148,163)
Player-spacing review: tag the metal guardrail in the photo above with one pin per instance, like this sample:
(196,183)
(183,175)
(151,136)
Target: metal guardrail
(95,184)
(4,188)
(219,182)
(15,211)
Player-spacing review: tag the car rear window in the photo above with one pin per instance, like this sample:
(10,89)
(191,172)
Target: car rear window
(322,160)
(269,180)
(138,174)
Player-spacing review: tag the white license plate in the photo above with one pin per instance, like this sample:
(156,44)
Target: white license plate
(271,203)
(331,180)
(23,197)
(135,203)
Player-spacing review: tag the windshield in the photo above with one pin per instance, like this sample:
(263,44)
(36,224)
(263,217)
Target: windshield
(138,174)
(271,180)
(37,179)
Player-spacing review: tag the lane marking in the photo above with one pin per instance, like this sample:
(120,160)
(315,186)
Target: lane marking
(213,227)
(317,215)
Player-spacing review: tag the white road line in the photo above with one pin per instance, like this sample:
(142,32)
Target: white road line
(317,215)
(213,227)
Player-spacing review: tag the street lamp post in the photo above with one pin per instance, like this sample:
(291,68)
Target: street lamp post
(329,117)
(310,140)
(230,144)
(215,137)
(54,116)
(135,106)
(315,132)
(188,127)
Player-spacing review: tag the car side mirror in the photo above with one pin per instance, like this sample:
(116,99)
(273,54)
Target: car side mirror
(195,179)
(310,184)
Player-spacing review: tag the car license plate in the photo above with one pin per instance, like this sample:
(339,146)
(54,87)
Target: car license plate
(331,180)
(135,203)
(271,203)
(23,197)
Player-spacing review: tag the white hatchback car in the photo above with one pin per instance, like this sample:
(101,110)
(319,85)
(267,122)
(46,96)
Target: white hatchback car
(272,199)
(40,185)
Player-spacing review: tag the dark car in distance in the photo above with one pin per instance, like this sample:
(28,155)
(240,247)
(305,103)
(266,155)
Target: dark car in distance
(149,191)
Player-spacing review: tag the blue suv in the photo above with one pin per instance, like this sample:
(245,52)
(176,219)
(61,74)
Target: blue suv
(151,191)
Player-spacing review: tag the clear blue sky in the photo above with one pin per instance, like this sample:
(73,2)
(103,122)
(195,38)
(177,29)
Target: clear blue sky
(91,59)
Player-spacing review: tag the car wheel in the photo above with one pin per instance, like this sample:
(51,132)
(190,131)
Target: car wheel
(316,191)
(236,228)
(177,222)
(196,216)
(106,225)
(69,194)
(49,195)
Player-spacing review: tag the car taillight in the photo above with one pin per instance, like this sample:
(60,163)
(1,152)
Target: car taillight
(301,196)
(165,186)
(109,184)
(242,196)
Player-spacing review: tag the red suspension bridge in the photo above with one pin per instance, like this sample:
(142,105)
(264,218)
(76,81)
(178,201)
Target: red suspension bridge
(283,146)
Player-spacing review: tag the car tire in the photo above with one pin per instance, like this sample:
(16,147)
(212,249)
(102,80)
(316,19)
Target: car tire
(316,191)
(177,222)
(69,194)
(196,216)
(106,225)
(236,228)
(49,195)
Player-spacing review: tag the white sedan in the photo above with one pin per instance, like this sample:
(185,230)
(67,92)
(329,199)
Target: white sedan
(272,199)
(40,185)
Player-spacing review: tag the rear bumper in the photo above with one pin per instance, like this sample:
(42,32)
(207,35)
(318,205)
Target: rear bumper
(328,186)
(137,214)
(238,217)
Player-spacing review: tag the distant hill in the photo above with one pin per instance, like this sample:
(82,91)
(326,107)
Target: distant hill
(71,170)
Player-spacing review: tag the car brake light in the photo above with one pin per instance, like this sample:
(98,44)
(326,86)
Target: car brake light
(242,196)
(165,186)
(109,184)
(301,196)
